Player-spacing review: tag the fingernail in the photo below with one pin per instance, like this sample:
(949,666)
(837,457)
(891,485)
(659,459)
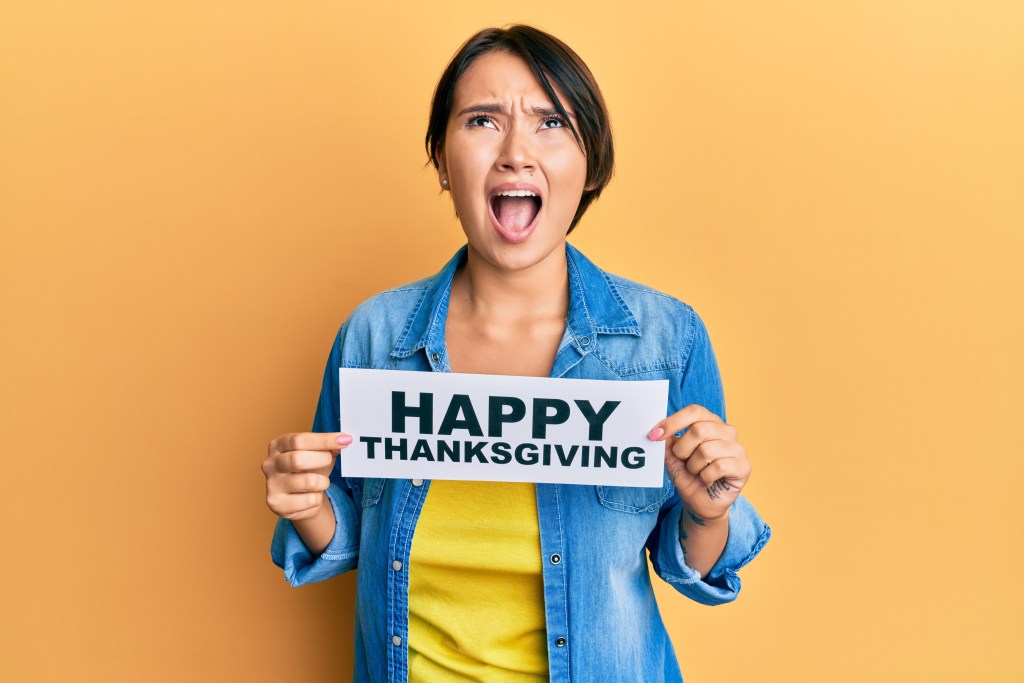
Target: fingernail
(656,434)
(344,440)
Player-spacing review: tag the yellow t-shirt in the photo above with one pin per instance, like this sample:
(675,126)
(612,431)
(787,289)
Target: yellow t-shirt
(476,595)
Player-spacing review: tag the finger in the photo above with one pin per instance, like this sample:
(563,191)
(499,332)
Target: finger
(733,471)
(289,504)
(269,465)
(302,482)
(309,441)
(698,432)
(302,461)
(704,453)
(680,420)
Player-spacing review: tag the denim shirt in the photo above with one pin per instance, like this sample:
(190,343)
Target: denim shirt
(602,620)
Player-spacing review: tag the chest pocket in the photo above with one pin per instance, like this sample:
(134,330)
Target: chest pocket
(634,499)
(371,492)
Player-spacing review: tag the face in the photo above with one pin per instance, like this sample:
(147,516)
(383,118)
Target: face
(504,138)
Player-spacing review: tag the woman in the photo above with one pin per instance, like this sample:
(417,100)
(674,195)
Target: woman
(520,582)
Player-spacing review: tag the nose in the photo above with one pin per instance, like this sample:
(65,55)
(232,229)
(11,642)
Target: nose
(516,154)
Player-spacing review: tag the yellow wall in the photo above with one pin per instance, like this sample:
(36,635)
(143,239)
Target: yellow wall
(193,195)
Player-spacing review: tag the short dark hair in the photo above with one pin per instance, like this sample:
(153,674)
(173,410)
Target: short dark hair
(551,61)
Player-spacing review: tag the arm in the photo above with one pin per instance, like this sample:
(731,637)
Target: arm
(301,565)
(708,468)
(317,531)
(747,535)
(326,543)
(702,540)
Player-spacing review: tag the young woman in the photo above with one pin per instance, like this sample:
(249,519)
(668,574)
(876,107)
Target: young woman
(508,581)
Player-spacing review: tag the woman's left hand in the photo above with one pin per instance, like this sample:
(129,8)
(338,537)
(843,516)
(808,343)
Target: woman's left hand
(707,465)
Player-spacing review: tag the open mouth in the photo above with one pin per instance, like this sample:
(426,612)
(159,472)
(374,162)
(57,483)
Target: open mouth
(515,212)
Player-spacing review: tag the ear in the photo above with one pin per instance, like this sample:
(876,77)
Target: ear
(442,169)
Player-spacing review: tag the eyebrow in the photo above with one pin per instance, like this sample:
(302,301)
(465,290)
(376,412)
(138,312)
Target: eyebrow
(495,108)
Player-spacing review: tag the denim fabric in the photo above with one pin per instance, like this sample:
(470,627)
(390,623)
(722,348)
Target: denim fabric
(602,620)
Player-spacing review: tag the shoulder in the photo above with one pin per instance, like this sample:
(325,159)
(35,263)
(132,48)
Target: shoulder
(665,321)
(620,300)
(673,343)
(371,331)
(389,307)
(646,332)
(644,300)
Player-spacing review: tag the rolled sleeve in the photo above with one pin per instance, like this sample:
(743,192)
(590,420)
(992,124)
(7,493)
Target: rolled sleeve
(300,565)
(747,536)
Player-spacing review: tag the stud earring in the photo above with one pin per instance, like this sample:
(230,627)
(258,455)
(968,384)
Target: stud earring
(445,182)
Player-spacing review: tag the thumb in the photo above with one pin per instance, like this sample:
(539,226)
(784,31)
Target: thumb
(342,440)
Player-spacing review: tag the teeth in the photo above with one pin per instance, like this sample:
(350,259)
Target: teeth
(516,193)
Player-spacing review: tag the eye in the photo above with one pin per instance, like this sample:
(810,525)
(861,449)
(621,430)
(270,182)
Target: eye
(558,120)
(474,121)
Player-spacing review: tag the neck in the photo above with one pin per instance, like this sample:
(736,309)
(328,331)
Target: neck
(540,291)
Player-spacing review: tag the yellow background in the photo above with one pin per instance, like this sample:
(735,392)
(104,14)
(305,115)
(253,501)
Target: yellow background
(193,196)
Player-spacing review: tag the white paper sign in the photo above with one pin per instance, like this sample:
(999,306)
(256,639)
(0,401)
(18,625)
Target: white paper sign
(437,425)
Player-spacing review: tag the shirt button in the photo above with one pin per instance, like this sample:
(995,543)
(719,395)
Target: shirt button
(560,642)
(435,357)
(556,558)
(397,640)
(584,341)
(417,482)
(396,565)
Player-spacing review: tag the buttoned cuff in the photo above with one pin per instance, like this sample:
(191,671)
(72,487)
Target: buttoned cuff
(747,535)
(289,551)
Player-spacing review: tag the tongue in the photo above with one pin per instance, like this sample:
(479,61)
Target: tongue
(515,213)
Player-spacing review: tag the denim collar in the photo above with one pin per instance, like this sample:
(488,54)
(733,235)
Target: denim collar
(595,308)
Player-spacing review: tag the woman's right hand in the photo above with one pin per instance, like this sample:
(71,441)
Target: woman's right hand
(298,467)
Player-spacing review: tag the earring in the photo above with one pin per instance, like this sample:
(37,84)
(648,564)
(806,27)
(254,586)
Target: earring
(445,182)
